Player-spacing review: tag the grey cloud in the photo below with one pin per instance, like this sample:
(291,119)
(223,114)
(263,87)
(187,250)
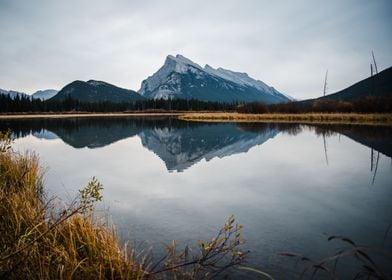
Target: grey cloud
(287,44)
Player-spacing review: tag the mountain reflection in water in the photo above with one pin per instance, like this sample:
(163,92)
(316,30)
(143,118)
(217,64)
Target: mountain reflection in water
(181,144)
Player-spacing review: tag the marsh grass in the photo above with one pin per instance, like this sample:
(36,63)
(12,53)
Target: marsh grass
(39,244)
(313,118)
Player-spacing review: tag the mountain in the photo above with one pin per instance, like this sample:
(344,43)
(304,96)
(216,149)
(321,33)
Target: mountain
(379,85)
(44,94)
(96,91)
(13,93)
(180,77)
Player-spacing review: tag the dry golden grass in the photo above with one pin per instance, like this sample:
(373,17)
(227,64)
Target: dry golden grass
(38,245)
(314,118)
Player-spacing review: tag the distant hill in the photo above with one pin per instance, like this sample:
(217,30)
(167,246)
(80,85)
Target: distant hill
(379,85)
(96,91)
(44,94)
(181,78)
(41,94)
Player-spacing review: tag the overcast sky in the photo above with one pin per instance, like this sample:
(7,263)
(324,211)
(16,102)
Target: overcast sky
(287,44)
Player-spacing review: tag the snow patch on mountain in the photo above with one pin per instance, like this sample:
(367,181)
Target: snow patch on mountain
(164,82)
(240,78)
(183,62)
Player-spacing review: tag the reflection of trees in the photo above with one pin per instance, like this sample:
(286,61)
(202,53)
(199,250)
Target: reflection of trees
(324,131)
(290,129)
(325,149)
(367,135)
(258,127)
(27,126)
(377,138)
(375,167)
(81,132)
(99,132)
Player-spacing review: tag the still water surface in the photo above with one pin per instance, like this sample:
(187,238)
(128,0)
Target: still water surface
(167,179)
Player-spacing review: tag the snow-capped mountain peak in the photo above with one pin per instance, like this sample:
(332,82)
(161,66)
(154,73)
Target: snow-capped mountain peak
(183,61)
(237,77)
(180,77)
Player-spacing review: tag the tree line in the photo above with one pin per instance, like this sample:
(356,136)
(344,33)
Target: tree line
(369,104)
(27,104)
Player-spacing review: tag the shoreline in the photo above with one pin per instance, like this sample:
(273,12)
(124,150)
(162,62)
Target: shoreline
(85,115)
(304,118)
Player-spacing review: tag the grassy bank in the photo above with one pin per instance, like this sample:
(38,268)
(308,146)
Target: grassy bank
(41,240)
(314,118)
(37,243)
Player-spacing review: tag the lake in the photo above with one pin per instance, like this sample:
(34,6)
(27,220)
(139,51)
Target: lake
(290,185)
